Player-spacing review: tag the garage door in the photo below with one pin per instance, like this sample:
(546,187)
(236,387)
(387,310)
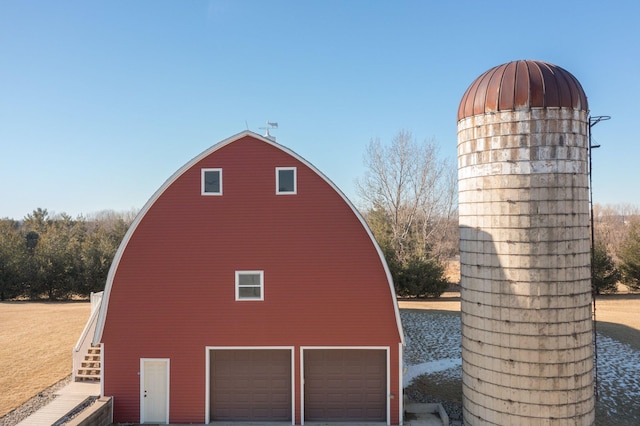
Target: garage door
(345,385)
(250,385)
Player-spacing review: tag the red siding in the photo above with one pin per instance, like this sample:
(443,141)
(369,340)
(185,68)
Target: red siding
(173,293)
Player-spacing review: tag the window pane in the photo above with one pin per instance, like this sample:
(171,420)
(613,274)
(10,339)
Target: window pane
(212,181)
(286,181)
(249,292)
(249,280)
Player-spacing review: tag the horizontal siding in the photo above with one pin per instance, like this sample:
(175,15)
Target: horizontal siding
(173,292)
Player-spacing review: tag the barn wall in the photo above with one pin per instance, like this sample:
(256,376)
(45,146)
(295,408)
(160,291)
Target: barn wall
(173,293)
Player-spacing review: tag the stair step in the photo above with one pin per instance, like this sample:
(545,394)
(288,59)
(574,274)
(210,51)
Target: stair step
(90,367)
(88,370)
(88,378)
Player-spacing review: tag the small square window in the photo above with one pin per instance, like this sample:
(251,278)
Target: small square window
(211,181)
(249,285)
(286,180)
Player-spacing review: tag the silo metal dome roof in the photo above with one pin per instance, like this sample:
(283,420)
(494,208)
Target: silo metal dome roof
(522,84)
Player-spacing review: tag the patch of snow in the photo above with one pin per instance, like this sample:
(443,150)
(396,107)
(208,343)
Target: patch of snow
(431,367)
(430,337)
(434,346)
(618,376)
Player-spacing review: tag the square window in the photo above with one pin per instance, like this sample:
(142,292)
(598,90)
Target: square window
(211,181)
(249,285)
(286,180)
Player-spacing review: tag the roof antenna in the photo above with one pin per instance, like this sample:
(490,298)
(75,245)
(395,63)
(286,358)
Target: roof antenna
(270,125)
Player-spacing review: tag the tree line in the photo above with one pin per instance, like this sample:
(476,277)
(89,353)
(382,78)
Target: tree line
(408,196)
(409,201)
(58,257)
(616,252)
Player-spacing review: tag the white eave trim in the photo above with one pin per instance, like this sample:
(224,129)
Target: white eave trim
(125,241)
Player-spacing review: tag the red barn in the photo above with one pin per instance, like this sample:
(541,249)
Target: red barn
(250,289)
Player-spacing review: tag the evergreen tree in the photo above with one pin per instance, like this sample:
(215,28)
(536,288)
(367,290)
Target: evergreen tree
(11,256)
(57,257)
(98,251)
(630,258)
(604,274)
(421,278)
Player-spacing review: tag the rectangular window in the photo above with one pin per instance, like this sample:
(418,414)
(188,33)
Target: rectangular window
(286,180)
(249,285)
(211,181)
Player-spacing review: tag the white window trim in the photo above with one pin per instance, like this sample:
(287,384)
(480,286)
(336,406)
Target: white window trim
(295,181)
(242,299)
(202,184)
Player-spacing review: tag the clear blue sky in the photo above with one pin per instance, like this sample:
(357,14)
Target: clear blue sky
(102,101)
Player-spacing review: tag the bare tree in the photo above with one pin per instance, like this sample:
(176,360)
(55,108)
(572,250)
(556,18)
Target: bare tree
(412,193)
(630,257)
(611,225)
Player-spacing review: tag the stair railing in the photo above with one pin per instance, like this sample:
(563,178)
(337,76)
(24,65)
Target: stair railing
(84,342)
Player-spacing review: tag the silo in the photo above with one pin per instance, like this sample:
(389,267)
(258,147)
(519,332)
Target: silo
(527,354)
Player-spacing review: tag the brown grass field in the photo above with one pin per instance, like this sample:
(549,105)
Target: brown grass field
(36,340)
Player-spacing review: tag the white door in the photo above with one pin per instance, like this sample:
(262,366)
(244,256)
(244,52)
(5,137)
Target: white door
(154,391)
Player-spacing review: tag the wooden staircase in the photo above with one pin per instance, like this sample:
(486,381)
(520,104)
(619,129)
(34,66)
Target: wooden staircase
(90,367)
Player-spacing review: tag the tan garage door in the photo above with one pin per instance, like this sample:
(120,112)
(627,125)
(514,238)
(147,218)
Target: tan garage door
(250,385)
(345,385)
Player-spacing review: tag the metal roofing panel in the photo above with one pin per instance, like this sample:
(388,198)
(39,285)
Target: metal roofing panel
(521,96)
(507,88)
(493,90)
(481,95)
(536,85)
(551,94)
